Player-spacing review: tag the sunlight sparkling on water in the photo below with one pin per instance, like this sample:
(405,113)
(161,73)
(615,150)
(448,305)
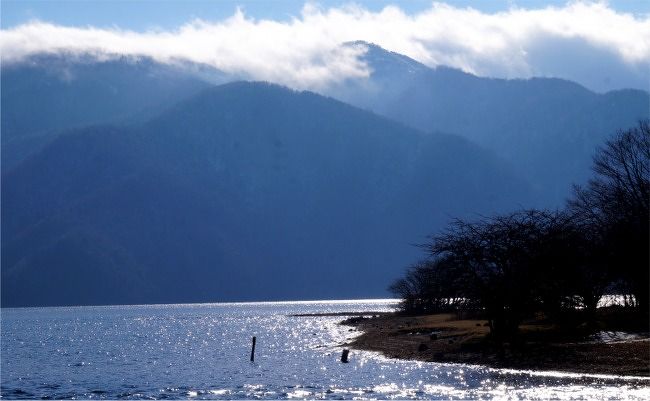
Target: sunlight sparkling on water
(202,352)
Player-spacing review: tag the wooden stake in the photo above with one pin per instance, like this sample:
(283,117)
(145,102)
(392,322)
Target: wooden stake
(344,356)
(253,350)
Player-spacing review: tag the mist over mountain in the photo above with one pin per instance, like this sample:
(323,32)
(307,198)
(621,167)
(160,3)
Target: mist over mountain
(245,191)
(48,93)
(547,128)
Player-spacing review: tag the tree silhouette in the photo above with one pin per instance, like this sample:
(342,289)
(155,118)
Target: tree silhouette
(615,205)
(511,266)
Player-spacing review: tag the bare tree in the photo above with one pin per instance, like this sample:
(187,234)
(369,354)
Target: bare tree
(512,266)
(615,205)
(509,267)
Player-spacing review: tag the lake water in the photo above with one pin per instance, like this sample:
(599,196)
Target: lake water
(202,351)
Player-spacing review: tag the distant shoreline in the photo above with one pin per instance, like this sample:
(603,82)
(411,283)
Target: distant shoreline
(443,338)
(364,314)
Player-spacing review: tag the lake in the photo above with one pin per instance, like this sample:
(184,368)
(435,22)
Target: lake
(202,351)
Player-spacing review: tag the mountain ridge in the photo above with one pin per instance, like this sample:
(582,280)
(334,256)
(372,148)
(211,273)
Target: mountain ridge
(211,204)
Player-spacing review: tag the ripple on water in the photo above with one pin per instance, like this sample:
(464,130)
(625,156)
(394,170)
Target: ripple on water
(202,352)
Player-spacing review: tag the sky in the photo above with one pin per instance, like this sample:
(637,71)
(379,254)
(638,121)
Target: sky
(603,45)
(167,14)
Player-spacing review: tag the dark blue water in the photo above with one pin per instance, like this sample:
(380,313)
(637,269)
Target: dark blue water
(202,351)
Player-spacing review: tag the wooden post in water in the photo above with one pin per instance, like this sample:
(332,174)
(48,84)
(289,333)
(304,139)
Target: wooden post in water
(253,350)
(344,356)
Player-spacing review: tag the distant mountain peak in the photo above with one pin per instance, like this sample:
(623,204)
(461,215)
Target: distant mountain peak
(382,60)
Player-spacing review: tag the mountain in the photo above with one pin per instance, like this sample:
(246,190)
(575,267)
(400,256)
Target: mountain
(245,191)
(46,94)
(547,128)
(129,181)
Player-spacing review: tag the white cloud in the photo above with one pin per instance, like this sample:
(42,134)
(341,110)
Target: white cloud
(304,52)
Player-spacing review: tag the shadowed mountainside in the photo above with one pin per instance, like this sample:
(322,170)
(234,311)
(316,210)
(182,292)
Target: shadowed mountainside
(546,128)
(247,191)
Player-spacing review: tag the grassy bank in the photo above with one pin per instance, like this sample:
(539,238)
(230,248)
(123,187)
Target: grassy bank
(539,345)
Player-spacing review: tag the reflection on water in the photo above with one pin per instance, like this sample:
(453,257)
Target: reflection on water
(202,352)
(615,336)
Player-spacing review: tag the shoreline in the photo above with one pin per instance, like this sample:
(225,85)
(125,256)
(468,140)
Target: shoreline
(446,339)
(330,314)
